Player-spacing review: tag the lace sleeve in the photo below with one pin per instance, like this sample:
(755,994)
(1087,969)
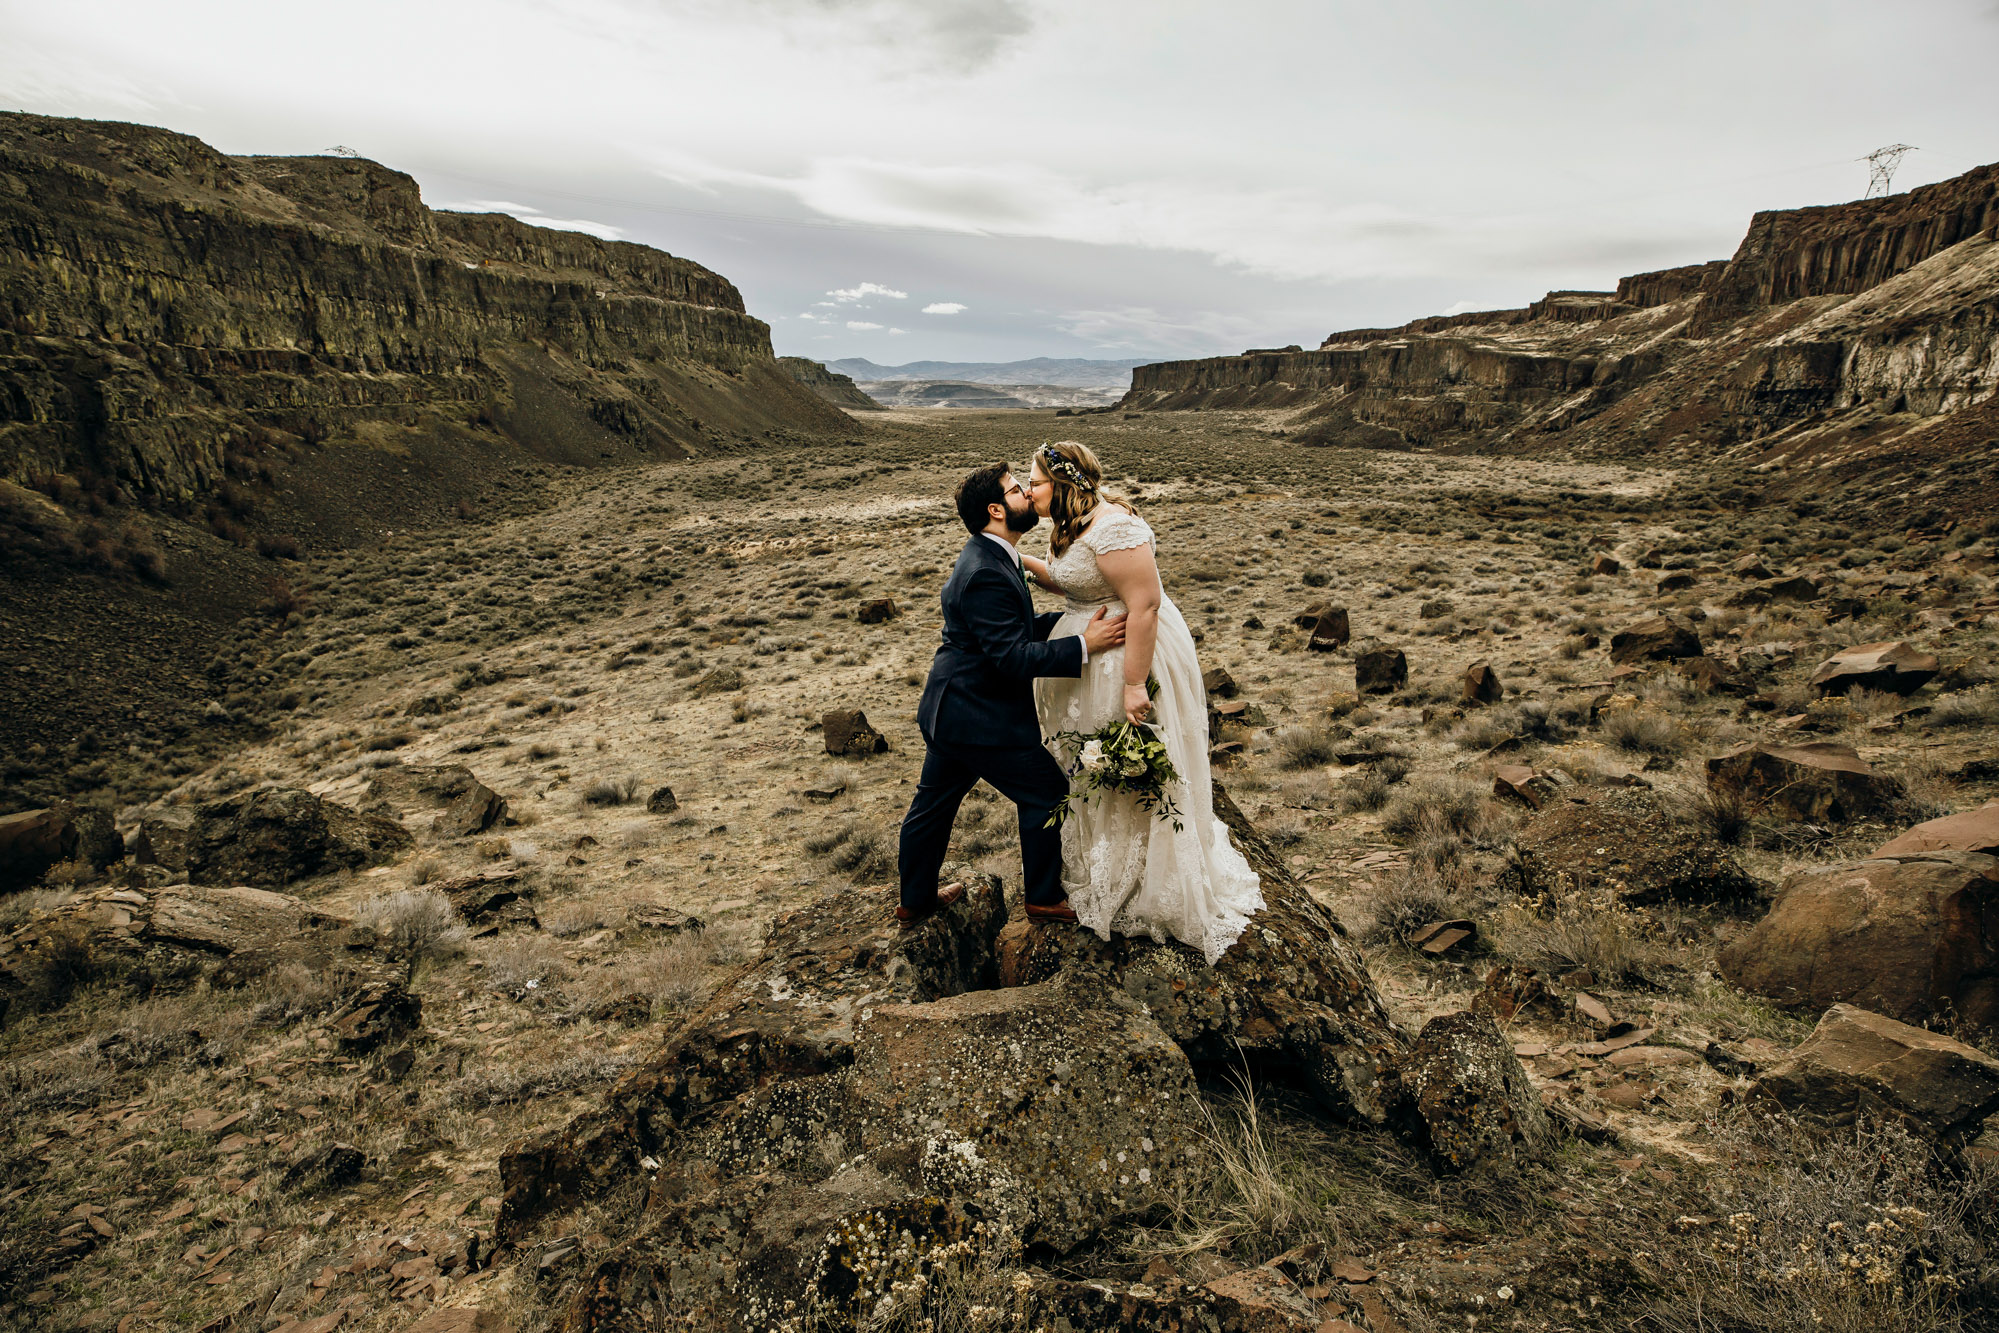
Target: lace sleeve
(1117,531)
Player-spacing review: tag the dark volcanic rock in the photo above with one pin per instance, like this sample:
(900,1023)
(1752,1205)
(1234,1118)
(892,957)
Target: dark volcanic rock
(1482,684)
(1973,831)
(876,611)
(1379,669)
(275,835)
(1623,841)
(1891,666)
(30,843)
(1469,1100)
(1654,639)
(1330,629)
(1812,783)
(1292,996)
(847,733)
(468,805)
(162,839)
(1860,1063)
(1910,936)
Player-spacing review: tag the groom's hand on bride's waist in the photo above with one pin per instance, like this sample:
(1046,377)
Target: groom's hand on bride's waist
(1103,631)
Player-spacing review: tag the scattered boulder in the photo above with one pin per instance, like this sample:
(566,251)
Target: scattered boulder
(380,1012)
(1795,589)
(1813,783)
(1510,989)
(1606,565)
(98,844)
(162,839)
(1751,567)
(1910,937)
(876,610)
(719,681)
(1661,638)
(1330,630)
(469,805)
(1675,582)
(230,920)
(275,835)
(1218,682)
(1482,684)
(1973,831)
(30,843)
(1471,1105)
(847,733)
(1860,1063)
(664,919)
(1624,840)
(662,801)
(1705,672)
(1379,669)
(493,896)
(1891,666)
(1529,786)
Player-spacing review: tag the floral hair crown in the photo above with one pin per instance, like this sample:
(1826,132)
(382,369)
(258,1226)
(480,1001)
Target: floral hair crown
(1054,462)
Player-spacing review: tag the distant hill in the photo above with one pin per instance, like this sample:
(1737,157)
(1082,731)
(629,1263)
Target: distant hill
(1064,372)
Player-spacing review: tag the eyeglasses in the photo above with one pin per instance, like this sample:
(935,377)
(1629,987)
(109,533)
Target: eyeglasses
(1017,489)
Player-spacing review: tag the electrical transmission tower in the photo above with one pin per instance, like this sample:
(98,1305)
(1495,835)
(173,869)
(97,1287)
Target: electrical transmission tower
(1881,164)
(342,150)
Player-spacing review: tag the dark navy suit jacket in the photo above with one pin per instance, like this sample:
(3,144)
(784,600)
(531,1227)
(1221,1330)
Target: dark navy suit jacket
(981,687)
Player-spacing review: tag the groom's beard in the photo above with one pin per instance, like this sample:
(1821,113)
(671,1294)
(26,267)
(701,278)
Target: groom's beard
(1021,520)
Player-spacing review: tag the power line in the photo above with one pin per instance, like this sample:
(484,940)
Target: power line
(1881,164)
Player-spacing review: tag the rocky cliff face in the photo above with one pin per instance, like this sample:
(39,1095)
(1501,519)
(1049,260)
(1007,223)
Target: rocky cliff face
(839,390)
(1863,335)
(165,307)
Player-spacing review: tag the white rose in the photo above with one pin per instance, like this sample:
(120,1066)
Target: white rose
(1093,753)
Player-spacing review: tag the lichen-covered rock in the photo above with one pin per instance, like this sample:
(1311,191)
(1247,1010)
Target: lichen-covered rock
(788,1014)
(1812,783)
(275,835)
(1292,996)
(1906,936)
(1031,1117)
(1469,1101)
(1662,638)
(1379,668)
(1891,665)
(1622,843)
(847,732)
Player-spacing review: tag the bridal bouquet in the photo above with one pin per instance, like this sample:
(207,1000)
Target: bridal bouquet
(1122,757)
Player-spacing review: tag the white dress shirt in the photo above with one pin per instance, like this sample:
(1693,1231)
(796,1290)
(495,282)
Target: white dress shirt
(1013,554)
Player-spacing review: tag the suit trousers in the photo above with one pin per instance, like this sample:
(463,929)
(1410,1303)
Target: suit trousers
(1026,775)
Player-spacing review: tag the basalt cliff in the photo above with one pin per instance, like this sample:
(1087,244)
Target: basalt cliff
(1851,345)
(212,364)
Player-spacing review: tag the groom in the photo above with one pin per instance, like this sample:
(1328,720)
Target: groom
(977,714)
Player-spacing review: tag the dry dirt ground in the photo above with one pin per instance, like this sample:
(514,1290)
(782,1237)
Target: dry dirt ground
(687,625)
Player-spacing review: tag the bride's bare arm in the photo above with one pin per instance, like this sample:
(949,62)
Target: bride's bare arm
(1038,571)
(1134,576)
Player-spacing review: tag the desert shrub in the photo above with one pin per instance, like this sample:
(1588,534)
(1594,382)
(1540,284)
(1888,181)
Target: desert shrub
(1306,747)
(1443,804)
(424,870)
(522,966)
(388,740)
(273,546)
(19,908)
(611,791)
(1370,790)
(1608,942)
(571,919)
(675,975)
(1643,731)
(1401,901)
(1850,1230)
(866,854)
(292,993)
(1315,578)
(417,923)
(63,962)
(513,1083)
(1967,708)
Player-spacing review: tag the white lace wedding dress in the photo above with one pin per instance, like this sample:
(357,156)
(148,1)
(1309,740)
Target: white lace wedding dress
(1127,870)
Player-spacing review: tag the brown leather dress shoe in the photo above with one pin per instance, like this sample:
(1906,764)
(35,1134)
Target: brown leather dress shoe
(947,895)
(1052,912)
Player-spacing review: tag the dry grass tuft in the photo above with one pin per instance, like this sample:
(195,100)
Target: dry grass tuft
(416,923)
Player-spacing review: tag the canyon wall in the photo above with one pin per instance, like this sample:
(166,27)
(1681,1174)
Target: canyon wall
(1864,328)
(164,307)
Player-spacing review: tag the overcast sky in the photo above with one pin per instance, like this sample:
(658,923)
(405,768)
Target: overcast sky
(992,179)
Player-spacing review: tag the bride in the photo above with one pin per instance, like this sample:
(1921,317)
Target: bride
(1124,869)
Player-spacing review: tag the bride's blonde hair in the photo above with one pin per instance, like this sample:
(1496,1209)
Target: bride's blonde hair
(1079,489)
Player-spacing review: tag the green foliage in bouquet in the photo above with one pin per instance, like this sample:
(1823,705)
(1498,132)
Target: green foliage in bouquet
(1122,757)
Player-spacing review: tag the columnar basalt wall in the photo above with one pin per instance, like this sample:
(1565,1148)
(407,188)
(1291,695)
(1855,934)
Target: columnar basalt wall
(160,300)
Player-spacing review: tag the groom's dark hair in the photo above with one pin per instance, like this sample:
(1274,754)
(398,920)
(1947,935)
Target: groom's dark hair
(985,487)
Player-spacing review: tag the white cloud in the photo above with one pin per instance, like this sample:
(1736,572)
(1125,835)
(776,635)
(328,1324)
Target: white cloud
(534,217)
(944,308)
(1460,308)
(861,325)
(849,295)
(1142,329)
(893,329)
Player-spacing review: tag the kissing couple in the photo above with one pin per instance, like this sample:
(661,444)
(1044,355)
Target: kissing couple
(1022,699)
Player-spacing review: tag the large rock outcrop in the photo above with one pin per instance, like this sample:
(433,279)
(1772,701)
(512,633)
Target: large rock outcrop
(1910,936)
(1859,1063)
(274,835)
